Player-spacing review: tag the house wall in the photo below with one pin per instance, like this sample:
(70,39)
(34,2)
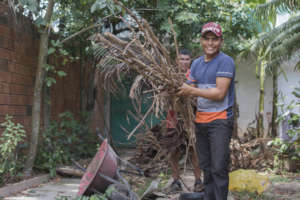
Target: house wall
(287,84)
(248,92)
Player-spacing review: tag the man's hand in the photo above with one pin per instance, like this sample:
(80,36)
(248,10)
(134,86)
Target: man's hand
(185,90)
(217,93)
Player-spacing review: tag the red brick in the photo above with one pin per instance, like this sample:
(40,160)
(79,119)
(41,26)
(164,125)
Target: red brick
(21,89)
(20,69)
(5,77)
(15,99)
(6,54)
(4,99)
(3,65)
(5,31)
(22,59)
(6,43)
(20,100)
(3,19)
(27,121)
(12,110)
(4,88)
(20,79)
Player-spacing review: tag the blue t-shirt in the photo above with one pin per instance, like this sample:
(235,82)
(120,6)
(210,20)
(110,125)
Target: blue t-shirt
(204,74)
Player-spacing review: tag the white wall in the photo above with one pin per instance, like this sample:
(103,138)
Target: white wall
(286,86)
(247,88)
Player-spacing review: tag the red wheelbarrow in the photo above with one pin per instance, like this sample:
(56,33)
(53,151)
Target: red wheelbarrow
(104,162)
(102,171)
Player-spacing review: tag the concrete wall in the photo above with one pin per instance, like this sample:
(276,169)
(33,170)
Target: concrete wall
(248,91)
(287,84)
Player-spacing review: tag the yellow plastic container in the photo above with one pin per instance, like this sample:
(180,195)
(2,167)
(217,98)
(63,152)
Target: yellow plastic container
(248,180)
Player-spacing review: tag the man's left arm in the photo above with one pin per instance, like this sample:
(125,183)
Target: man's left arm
(217,94)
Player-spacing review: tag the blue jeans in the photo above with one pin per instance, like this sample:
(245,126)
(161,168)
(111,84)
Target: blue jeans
(212,143)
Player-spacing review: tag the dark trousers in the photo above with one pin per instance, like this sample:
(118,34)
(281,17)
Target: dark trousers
(212,143)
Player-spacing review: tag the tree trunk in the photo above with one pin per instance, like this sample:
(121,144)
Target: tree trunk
(39,80)
(236,115)
(260,121)
(46,105)
(274,124)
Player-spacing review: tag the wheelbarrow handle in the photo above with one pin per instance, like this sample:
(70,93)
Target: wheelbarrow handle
(129,172)
(78,165)
(141,172)
(112,180)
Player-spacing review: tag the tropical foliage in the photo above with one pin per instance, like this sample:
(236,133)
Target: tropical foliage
(281,43)
(188,18)
(273,46)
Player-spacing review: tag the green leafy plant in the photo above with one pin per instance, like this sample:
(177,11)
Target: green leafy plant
(64,140)
(11,137)
(290,148)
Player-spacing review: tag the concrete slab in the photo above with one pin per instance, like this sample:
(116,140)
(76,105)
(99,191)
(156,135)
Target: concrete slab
(65,187)
(23,185)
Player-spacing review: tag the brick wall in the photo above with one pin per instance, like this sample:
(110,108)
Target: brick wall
(19,42)
(18,53)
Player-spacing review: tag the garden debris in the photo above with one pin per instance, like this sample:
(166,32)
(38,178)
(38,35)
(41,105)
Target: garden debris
(248,180)
(69,171)
(152,187)
(119,192)
(153,149)
(253,154)
(147,56)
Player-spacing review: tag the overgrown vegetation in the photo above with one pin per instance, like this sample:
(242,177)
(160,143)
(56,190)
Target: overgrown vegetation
(66,139)
(288,146)
(10,141)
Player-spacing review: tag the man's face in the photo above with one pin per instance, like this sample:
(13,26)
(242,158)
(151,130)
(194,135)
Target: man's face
(211,44)
(184,61)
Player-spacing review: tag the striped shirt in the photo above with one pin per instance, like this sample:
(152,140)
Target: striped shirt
(203,75)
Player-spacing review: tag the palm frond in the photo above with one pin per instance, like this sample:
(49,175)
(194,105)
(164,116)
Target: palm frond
(287,47)
(277,61)
(263,11)
(110,69)
(146,55)
(266,38)
(136,87)
(288,34)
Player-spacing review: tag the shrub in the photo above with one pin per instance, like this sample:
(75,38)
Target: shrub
(66,140)
(10,140)
(288,148)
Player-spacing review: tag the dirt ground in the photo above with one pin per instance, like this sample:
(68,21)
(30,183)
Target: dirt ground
(281,188)
(284,187)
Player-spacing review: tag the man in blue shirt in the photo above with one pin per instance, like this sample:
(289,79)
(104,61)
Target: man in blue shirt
(212,81)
